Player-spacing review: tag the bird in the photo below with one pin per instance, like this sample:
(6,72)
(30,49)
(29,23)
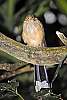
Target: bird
(33,32)
(33,35)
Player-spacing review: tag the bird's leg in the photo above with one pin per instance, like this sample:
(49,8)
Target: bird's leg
(37,78)
(45,82)
(46,76)
(38,73)
(39,84)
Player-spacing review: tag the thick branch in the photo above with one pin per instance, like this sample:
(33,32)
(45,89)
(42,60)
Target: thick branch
(42,56)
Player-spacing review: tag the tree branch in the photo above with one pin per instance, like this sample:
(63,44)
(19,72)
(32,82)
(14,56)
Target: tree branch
(42,56)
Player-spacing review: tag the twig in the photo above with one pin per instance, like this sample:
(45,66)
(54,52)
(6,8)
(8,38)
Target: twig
(62,37)
(12,73)
(10,67)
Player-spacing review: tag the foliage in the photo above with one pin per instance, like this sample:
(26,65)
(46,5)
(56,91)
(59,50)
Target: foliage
(12,14)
